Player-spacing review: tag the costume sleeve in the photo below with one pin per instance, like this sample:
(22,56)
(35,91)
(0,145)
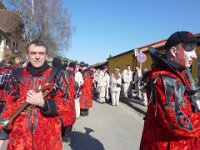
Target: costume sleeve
(11,106)
(50,107)
(173,108)
(4,133)
(10,95)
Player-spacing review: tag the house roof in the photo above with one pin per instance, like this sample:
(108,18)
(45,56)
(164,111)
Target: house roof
(99,64)
(10,21)
(144,48)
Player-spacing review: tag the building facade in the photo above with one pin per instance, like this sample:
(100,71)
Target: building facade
(12,32)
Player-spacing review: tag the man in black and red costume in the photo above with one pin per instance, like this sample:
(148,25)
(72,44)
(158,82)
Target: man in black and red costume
(172,121)
(38,127)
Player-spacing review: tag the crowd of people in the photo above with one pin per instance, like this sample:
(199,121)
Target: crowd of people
(112,86)
(40,102)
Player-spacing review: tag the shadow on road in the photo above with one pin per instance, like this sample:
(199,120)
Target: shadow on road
(84,141)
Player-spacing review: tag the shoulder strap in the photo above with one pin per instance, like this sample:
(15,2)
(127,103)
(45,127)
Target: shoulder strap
(17,73)
(54,71)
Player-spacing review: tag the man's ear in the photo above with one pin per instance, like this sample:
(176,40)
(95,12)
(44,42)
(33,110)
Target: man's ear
(46,57)
(173,51)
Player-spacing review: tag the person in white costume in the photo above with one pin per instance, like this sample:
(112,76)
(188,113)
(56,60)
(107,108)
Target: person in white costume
(115,86)
(127,77)
(103,84)
(96,75)
(137,80)
(79,81)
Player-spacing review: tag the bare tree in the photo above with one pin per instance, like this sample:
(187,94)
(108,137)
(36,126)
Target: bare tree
(45,20)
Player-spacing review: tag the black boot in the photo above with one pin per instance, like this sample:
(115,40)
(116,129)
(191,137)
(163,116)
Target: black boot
(66,134)
(84,112)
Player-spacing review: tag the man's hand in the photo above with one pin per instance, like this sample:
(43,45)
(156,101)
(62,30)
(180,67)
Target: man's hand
(35,98)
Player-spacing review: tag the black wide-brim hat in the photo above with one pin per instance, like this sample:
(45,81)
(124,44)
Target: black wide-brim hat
(82,64)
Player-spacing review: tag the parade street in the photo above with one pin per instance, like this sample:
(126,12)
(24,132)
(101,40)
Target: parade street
(107,127)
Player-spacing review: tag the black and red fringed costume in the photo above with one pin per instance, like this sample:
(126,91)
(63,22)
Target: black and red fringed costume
(171,122)
(40,127)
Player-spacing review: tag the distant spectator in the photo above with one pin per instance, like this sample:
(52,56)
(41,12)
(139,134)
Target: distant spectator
(115,86)
(79,81)
(127,78)
(137,80)
(103,84)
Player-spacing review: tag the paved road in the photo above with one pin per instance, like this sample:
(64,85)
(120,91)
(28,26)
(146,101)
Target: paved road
(107,128)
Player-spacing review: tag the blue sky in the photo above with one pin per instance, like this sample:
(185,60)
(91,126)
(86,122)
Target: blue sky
(105,27)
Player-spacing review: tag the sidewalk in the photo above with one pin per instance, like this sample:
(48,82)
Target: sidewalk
(135,103)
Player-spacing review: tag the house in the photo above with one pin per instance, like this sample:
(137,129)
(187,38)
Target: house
(12,31)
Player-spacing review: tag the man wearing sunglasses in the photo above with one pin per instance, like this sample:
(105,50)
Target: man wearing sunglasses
(172,120)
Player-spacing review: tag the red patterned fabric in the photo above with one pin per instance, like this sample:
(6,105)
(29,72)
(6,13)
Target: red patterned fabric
(47,132)
(90,103)
(70,117)
(86,91)
(5,71)
(162,131)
